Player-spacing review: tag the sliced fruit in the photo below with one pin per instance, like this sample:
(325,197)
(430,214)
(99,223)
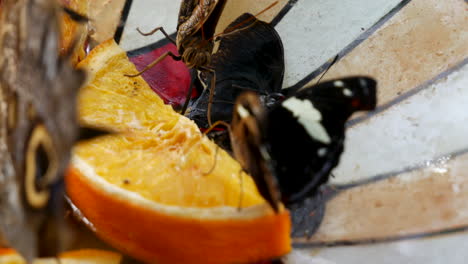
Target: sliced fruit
(90,256)
(155,191)
(10,256)
(84,256)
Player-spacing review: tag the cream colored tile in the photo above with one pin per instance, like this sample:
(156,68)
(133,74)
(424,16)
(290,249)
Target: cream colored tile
(147,15)
(314,31)
(234,9)
(441,249)
(421,201)
(429,124)
(424,39)
(105,17)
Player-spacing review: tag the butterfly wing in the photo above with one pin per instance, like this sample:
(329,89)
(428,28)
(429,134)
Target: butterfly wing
(248,59)
(209,26)
(306,132)
(185,11)
(38,121)
(247,144)
(195,15)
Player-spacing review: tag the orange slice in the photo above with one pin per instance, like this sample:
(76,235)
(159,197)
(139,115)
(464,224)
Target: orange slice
(84,256)
(147,190)
(10,256)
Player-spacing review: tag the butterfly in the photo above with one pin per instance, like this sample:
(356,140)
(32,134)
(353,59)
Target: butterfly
(195,41)
(196,25)
(250,59)
(291,149)
(38,125)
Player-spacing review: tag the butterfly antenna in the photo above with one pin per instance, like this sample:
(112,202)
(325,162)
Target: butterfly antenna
(335,59)
(231,29)
(214,163)
(217,123)
(267,8)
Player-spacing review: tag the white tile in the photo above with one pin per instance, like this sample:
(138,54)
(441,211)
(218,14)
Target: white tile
(443,249)
(147,15)
(315,31)
(429,124)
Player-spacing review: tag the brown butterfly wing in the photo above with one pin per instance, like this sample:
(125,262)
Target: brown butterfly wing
(193,16)
(185,11)
(247,130)
(38,100)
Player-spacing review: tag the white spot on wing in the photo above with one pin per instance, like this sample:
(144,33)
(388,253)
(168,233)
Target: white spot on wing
(338,83)
(264,153)
(308,117)
(322,152)
(363,82)
(347,92)
(242,111)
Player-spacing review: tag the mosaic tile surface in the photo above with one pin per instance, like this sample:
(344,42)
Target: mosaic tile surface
(399,194)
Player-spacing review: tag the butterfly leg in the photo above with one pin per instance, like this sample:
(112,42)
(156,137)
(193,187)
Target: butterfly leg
(189,94)
(219,122)
(212,91)
(241,190)
(154,31)
(154,63)
(214,163)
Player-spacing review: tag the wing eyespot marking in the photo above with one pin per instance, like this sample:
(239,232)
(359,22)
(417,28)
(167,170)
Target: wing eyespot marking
(40,143)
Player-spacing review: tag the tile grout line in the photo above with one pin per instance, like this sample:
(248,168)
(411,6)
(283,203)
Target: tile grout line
(383,176)
(281,14)
(164,41)
(371,241)
(123,20)
(346,50)
(150,47)
(406,95)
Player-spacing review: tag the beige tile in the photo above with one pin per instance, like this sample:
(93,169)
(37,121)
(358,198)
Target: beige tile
(105,17)
(425,38)
(446,248)
(148,14)
(315,31)
(408,133)
(234,9)
(425,200)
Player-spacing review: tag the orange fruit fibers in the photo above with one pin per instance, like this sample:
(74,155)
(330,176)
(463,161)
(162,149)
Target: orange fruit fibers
(146,190)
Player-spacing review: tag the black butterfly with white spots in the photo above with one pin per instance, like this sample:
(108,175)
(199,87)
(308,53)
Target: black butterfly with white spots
(291,148)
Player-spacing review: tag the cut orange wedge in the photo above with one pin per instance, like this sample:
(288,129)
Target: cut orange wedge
(159,190)
(84,256)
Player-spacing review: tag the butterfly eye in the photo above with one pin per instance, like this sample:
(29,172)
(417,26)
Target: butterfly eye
(41,167)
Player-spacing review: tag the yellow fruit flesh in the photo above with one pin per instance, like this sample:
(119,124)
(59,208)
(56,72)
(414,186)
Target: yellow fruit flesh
(83,256)
(161,155)
(121,103)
